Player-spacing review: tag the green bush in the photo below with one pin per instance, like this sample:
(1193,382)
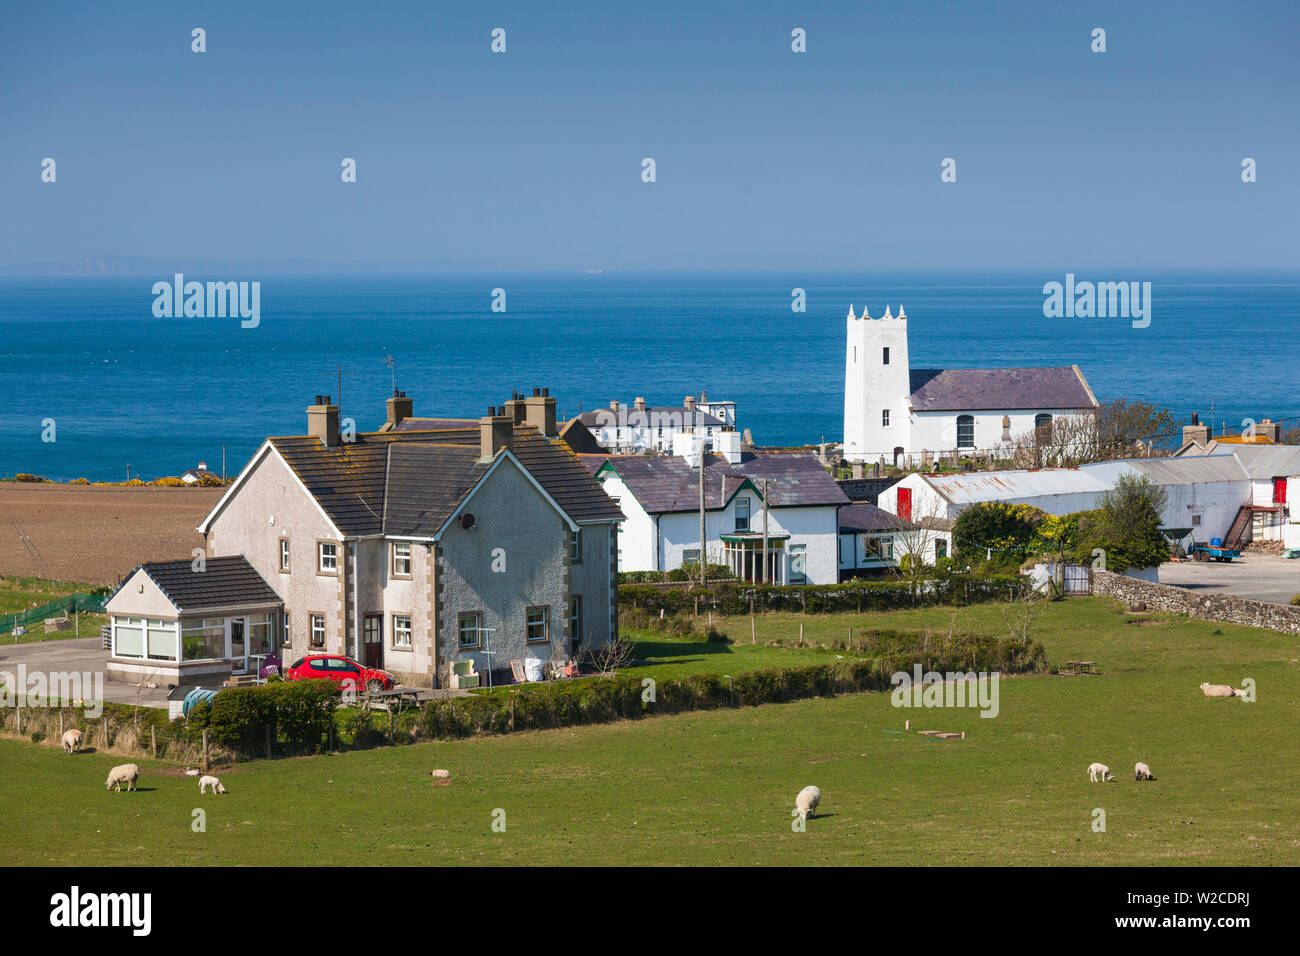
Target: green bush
(298,713)
(603,699)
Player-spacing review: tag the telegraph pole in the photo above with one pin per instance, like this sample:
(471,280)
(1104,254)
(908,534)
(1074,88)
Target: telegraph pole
(703,539)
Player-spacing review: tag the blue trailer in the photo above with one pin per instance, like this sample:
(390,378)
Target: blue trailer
(1214,550)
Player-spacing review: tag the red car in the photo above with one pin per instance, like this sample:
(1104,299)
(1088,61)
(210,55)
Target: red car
(345,670)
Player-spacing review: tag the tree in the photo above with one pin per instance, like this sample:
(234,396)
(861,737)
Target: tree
(1115,430)
(1004,529)
(1126,526)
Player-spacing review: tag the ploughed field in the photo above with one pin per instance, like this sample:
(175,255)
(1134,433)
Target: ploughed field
(97,534)
(718,786)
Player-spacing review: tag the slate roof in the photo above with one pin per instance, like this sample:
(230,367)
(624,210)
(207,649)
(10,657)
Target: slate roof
(352,481)
(664,484)
(224,582)
(975,389)
(862,516)
(632,417)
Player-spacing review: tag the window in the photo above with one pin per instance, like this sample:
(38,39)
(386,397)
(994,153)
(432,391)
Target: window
(965,431)
(537,629)
(742,514)
(1043,427)
(260,627)
(575,620)
(884,417)
(327,557)
(318,630)
(128,637)
(401,559)
(798,564)
(885,357)
(470,623)
(287,641)
(284,554)
(203,639)
(940,548)
(402,630)
(575,546)
(691,556)
(1196,521)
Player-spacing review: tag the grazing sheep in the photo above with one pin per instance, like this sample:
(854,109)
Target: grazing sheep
(72,741)
(1218,690)
(440,774)
(807,801)
(1099,770)
(212,783)
(1142,772)
(191,772)
(127,773)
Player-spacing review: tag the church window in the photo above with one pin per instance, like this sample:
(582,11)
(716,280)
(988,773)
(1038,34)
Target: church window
(965,431)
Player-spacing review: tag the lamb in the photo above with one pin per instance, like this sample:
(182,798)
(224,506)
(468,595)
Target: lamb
(1099,770)
(209,782)
(807,801)
(72,741)
(1221,690)
(1142,772)
(440,774)
(127,773)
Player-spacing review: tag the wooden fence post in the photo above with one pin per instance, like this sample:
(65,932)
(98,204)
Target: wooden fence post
(205,748)
(753,630)
(153,742)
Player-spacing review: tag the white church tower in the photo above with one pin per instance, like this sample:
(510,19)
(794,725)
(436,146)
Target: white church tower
(877,387)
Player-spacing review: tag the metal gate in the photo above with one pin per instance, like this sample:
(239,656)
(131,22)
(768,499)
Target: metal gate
(1076,579)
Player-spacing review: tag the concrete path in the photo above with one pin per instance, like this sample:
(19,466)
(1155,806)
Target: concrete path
(1260,577)
(84,655)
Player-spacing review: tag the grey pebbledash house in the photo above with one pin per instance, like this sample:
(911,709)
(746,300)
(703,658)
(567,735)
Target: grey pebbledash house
(410,548)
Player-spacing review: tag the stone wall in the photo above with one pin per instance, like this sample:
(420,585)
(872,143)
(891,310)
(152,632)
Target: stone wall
(1209,607)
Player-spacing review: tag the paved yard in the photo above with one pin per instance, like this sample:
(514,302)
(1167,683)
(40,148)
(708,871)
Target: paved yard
(1262,577)
(84,655)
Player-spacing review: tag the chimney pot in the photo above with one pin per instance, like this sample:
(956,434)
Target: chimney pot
(539,412)
(323,421)
(399,408)
(495,432)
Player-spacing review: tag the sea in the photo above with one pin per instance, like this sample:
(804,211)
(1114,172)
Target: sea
(93,385)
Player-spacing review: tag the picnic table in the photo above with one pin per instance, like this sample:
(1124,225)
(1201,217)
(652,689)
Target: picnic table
(1076,668)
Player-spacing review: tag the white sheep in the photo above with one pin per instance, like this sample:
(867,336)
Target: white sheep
(440,774)
(1142,772)
(1220,690)
(127,773)
(807,801)
(210,783)
(72,741)
(1099,770)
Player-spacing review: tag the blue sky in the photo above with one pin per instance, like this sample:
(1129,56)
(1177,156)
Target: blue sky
(766,159)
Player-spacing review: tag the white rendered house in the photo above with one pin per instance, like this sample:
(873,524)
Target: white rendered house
(894,412)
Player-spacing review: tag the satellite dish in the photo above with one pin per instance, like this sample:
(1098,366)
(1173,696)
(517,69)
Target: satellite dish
(467,521)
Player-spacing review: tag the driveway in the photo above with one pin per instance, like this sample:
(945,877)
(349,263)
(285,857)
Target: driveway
(79,656)
(1261,577)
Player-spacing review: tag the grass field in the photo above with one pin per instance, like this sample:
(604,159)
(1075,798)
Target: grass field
(20,594)
(717,787)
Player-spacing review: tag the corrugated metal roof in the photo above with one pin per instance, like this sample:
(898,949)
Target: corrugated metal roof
(976,486)
(1267,461)
(1188,470)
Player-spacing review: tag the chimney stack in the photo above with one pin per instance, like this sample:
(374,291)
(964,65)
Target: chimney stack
(689,403)
(1196,432)
(516,409)
(1267,430)
(639,404)
(495,431)
(323,421)
(399,408)
(540,411)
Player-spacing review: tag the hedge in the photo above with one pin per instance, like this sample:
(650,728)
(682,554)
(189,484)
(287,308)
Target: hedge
(298,714)
(604,699)
(854,596)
